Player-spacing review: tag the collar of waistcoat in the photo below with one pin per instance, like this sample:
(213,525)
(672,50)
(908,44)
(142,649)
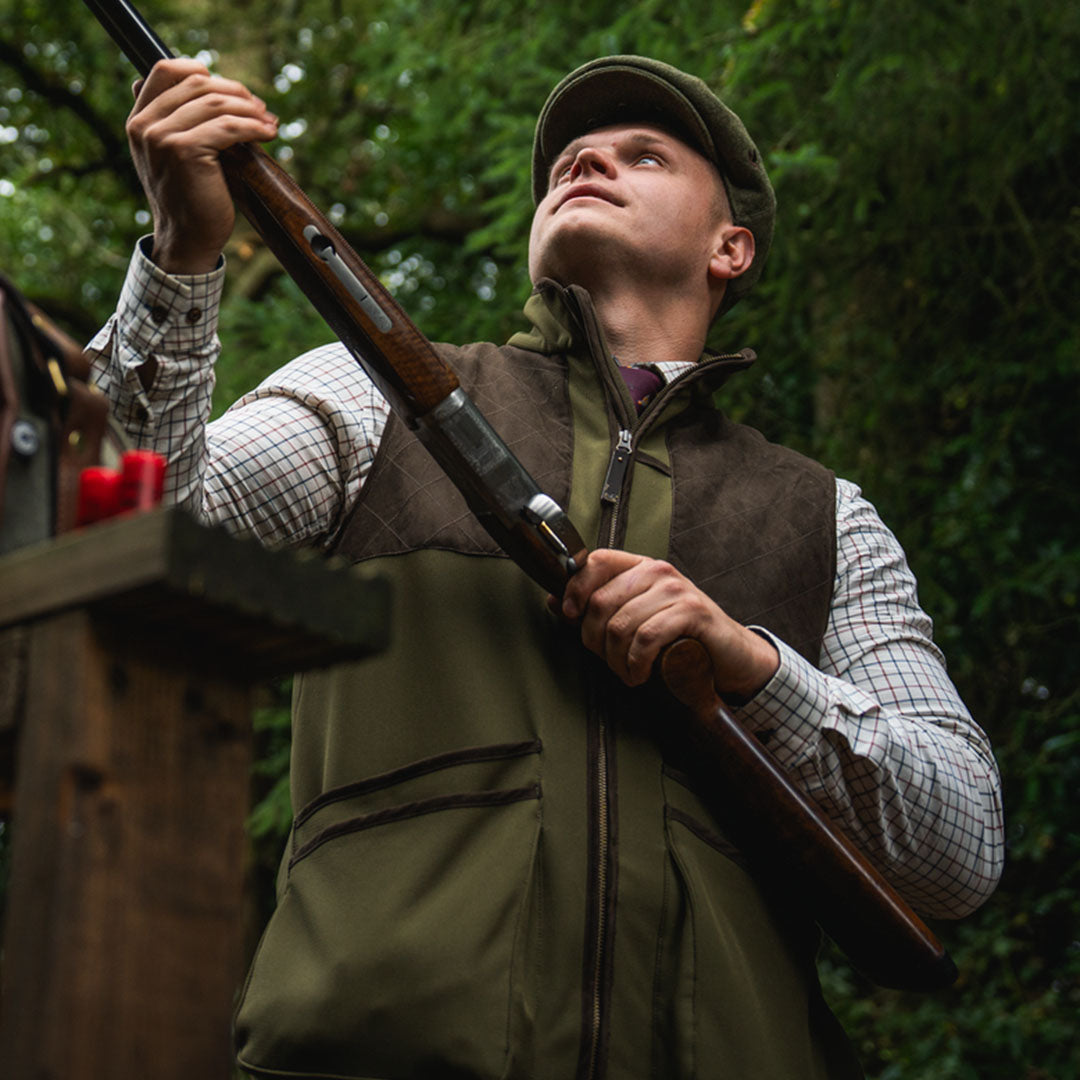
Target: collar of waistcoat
(558,318)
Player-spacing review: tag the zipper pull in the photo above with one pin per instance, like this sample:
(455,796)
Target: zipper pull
(620,459)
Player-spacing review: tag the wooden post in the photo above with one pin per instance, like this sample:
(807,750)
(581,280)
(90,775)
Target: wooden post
(123,939)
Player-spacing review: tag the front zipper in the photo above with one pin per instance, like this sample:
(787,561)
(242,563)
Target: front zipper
(612,498)
(616,480)
(616,477)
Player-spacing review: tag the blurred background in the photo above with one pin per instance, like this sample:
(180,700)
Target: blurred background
(917,328)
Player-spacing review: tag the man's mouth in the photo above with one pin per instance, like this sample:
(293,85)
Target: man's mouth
(587,191)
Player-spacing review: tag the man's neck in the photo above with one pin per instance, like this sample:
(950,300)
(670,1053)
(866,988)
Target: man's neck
(652,329)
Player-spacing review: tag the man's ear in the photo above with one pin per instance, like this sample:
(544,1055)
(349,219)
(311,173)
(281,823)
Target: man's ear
(733,254)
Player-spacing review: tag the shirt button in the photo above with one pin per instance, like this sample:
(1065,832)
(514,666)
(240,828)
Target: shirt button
(194,315)
(158,313)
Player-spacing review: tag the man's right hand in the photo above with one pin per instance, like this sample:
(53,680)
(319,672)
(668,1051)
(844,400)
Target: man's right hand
(183,117)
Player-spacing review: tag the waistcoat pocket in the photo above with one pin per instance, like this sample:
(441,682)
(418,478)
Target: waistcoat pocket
(400,940)
(735,995)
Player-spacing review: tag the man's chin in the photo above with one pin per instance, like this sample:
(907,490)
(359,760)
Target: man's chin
(572,248)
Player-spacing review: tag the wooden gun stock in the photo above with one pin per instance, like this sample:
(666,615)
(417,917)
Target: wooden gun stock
(762,811)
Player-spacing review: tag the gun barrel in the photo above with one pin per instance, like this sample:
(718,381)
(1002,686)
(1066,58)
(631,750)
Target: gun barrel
(131,32)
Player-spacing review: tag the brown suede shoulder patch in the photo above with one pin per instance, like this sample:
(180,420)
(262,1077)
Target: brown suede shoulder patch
(754,525)
(408,503)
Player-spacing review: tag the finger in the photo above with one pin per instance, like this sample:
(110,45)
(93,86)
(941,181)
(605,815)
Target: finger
(649,640)
(201,126)
(615,608)
(167,91)
(164,75)
(633,578)
(635,634)
(636,614)
(601,566)
(212,124)
(210,95)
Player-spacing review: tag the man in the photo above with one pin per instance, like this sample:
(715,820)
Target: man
(502,863)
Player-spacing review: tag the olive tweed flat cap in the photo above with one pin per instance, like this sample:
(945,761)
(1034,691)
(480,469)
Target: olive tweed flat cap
(636,89)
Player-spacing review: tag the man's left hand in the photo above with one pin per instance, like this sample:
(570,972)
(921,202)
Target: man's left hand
(631,606)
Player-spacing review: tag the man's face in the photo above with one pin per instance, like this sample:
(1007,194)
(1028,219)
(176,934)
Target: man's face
(632,196)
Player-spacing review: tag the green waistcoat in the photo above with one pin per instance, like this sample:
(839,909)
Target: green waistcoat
(499,865)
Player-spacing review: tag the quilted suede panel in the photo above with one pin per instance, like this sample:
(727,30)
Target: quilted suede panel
(754,525)
(408,503)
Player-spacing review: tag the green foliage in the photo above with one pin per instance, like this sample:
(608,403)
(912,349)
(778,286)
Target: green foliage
(917,326)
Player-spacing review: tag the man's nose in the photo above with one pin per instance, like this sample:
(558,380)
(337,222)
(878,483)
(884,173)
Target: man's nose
(591,159)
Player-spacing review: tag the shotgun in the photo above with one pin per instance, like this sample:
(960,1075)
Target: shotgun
(790,845)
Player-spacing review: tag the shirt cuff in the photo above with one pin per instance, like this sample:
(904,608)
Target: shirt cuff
(789,712)
(168,313)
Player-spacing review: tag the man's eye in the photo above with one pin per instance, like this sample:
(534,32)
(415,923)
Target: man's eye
(647,159)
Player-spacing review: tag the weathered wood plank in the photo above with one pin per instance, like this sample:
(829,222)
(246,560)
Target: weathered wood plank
(285,610)
(123,948)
